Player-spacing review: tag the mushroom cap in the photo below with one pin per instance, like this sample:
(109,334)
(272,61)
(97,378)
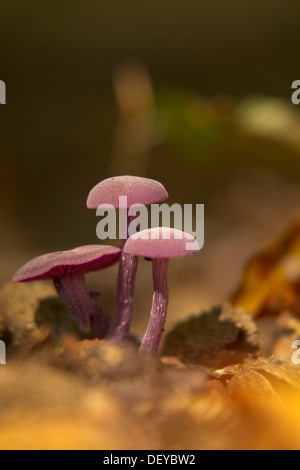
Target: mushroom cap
(138,190)
(161,242)
(83,259)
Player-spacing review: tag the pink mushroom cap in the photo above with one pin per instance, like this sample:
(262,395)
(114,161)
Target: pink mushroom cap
(161,242)
(83,259)
(138,190)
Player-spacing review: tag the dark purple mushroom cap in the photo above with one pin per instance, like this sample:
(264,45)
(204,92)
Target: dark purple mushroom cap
(161,242)
(83,259)
(138,190)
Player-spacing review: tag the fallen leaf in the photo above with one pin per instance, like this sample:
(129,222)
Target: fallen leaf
(216,338)
(271,280)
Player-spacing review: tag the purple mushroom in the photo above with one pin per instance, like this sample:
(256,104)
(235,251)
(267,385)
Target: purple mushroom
(139,191)
(67,269)
(159,244)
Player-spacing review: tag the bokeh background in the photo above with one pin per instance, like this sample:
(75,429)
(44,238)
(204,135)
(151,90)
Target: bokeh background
(196,94)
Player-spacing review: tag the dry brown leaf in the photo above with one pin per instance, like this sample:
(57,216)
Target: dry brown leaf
(214,339)
(271,280)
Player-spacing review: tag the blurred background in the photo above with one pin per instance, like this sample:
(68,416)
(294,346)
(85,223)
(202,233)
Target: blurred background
(195,94)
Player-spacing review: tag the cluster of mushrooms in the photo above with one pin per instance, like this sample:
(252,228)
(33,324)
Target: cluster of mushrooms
(67,268)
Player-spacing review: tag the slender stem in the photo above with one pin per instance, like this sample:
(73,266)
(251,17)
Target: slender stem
(151,340)
(121,321)
(81,305)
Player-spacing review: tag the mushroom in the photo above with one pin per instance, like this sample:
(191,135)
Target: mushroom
(67,269)
(139,192)
(159,244)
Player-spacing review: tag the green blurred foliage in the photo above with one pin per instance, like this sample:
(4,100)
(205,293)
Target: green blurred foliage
(57,129)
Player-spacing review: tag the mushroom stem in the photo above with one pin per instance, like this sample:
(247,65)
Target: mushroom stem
(121,321)
(79,303)
(155,329)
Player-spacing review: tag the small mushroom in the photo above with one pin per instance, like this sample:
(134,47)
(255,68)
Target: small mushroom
(160,244)
(139,191)
(67,269)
